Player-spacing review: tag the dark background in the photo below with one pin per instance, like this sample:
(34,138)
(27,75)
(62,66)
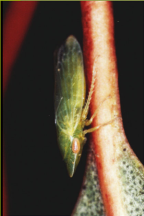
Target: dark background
(38,183)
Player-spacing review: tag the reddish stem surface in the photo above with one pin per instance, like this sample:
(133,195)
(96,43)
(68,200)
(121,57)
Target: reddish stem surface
(15,27)
(99,50)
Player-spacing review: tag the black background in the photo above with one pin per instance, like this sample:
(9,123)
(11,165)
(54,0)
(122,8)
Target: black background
(38,183)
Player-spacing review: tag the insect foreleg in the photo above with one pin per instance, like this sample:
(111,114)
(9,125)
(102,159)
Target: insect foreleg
(97,127)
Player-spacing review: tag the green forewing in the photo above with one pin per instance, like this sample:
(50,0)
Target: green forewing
(70,88)
(69,99)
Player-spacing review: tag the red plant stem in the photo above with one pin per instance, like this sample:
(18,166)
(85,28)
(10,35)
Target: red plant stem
(16,23)
(99,48)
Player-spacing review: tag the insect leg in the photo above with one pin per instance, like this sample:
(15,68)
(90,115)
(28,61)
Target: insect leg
(97,127)
(89,121)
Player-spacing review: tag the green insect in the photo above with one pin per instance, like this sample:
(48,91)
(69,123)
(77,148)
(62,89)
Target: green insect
(70,108)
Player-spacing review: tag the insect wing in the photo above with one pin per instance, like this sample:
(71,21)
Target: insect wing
(69,86)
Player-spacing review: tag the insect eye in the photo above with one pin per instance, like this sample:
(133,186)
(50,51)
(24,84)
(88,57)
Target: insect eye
(75,146)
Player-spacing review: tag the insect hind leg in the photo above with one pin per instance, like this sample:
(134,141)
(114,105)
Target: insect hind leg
(97,127)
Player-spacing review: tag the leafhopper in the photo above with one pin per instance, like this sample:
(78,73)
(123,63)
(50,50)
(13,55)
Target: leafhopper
(71,110)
